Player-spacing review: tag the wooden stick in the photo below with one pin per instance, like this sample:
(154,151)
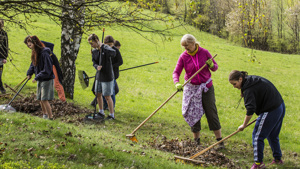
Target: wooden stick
(12,89)
(188,159)
(208,148)
(17,86)
(132,134)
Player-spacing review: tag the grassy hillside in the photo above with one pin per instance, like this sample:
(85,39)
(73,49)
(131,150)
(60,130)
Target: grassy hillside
(142,90)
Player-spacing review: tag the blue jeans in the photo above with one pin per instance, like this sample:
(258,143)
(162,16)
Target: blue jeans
(113,97)
(268,125)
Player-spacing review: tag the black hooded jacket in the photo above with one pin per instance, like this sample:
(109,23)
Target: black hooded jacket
(55,61)
(106,73)
(116,62)
(43,70)
(260,95)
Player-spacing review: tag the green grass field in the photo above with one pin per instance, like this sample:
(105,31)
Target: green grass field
(143,90)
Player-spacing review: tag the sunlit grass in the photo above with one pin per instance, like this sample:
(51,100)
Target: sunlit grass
(143,90)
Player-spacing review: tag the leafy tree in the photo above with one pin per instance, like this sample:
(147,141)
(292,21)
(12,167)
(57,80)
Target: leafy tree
(250,21)
(77,17)
(293,22)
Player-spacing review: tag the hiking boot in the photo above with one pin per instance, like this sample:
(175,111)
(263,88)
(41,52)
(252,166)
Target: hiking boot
(276,162)
(197,140)
(261,165)
(221,146)
(109,118)
(45,116)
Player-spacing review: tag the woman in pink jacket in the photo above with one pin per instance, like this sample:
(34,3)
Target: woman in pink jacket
(198,94)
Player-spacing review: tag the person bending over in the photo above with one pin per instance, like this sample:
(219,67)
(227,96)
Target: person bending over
(262,98)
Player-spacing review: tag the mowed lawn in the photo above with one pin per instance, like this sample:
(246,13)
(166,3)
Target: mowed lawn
(144,89)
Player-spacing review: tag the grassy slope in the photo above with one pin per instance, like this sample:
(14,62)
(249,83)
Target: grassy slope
(141,92)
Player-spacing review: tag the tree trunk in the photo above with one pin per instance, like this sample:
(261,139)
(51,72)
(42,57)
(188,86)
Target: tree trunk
(71,35)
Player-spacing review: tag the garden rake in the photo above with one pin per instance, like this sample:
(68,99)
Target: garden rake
(8,107)
(131,136)
(84,78)
(191,159)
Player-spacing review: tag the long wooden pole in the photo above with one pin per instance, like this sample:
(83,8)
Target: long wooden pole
(17,86)
(132,133)
(208,148)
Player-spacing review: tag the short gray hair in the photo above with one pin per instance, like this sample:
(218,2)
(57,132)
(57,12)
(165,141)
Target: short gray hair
(188,38)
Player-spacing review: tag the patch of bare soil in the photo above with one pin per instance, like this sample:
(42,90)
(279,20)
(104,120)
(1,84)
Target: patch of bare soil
(68,112)
(188,148)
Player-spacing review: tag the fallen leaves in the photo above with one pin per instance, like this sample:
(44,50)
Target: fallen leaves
(187,148)
(59,109)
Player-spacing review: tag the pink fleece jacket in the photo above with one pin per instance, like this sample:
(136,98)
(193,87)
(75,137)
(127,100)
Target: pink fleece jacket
(192,65)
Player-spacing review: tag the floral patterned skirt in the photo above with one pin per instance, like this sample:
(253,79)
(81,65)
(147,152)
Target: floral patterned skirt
(192,108)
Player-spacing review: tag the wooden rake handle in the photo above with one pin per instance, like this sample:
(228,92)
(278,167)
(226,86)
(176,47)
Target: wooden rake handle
(12,89)
(18,85)
(208,148)
(169,98)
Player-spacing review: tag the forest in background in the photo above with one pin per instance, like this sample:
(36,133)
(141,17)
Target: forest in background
(270,25)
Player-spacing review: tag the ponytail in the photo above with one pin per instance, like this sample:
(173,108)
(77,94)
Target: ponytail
(236,75)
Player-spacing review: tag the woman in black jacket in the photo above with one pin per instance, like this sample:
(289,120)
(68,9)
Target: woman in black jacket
(41,66)
(262,98)
(3,52)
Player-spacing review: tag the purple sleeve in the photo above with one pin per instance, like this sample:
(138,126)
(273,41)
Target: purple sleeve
(178,70)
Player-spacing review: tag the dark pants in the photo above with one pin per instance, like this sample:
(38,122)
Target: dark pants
(1,84)
(268,125)
(210,110)
(1,70)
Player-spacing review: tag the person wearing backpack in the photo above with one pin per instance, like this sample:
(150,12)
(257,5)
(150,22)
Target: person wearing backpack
(3,52)
(57,72)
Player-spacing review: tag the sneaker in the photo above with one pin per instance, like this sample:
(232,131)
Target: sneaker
(197,140)
(90,116)
(109,118)
(262,165)
(99,116)
(45,116)
(276,162)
